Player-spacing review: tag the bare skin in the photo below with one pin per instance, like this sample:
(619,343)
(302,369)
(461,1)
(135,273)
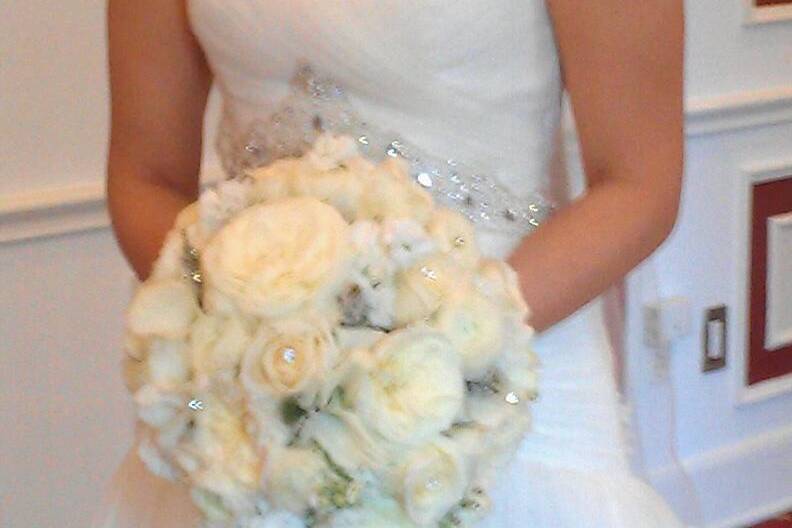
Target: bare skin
(623,69)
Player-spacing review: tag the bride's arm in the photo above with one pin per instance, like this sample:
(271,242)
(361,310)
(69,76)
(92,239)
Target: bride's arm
(622,64)
(159,83)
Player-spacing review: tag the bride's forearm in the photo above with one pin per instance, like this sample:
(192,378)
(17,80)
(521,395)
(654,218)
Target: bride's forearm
(143,209)
(589,245)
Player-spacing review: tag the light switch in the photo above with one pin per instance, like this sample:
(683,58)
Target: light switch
(714,342)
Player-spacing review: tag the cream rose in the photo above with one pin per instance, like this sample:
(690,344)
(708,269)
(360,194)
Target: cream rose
(455,236)
(475,327)
(499,281)
(348,443)
(170,261)
(293,478)
(392,194)
(217,343)
(330,151)
(376,511)
(272,259)
(415,389)
(434,480)
(288,356)
(278,519)
(424,286)
(519,364)
(275,181)
(222,202)
(162,308)
(227,452)
(166,363)
(406,241)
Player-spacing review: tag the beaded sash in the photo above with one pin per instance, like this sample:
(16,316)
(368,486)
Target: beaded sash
(317,104)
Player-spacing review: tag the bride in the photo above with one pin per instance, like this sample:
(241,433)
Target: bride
(468,80)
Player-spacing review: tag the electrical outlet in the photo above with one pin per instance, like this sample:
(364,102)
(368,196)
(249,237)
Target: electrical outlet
(714,342)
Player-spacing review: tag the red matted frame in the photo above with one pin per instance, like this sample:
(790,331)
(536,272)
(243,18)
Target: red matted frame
(768,199)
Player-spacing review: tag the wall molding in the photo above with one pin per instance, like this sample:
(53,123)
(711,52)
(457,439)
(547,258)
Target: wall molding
(740,484)
(729,113)
(74,208)
(52,211)
(61,210)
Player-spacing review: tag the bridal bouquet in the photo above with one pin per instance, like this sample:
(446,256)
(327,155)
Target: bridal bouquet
(319,344)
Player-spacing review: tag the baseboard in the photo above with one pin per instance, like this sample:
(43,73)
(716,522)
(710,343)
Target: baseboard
(738,485)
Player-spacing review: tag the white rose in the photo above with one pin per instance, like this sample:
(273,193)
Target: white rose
(454,235)
(475,327)
(376,511)
(519,364)
(167,363)
(500,282)
(222,202)
(423,287)
(275,181)
(330,151)
(278,519)
(274,258)
(414,390)
(339,188)
(170,261)
(344,439)
(265,423)
(217,343)
(158,407)
(392,194)
(499,446)
(211,505)
(435,479)
(288,356)
(369,293)
(163,308)
(293,478)
(229,457)
(406,241)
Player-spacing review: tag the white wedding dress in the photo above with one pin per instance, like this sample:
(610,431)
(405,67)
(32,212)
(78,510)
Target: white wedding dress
(473,80)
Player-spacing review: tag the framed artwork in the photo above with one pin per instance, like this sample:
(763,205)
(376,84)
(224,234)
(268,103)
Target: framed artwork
(766,11)
(763,322)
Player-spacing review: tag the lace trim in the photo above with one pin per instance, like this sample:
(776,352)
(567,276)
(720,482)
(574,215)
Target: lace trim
(317,104)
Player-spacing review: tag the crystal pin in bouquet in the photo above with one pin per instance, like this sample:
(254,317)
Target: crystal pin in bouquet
(321,344)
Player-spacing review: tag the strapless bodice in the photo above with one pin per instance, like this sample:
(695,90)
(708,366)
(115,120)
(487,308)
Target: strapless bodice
(473,81)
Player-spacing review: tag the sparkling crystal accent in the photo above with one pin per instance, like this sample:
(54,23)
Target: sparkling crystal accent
(289,355)
(432,484)
(512,398)
(316,104)
(424,179)
(429,273)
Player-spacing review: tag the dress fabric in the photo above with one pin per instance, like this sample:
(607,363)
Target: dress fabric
(472,80)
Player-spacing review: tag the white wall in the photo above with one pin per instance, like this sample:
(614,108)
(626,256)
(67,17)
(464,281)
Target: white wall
(63,293)
(739,89)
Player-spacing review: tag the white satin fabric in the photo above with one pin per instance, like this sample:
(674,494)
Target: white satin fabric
(474,80)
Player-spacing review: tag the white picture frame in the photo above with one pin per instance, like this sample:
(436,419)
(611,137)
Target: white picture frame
(745,394)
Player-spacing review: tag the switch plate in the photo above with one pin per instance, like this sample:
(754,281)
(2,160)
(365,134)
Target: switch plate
(714,339)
